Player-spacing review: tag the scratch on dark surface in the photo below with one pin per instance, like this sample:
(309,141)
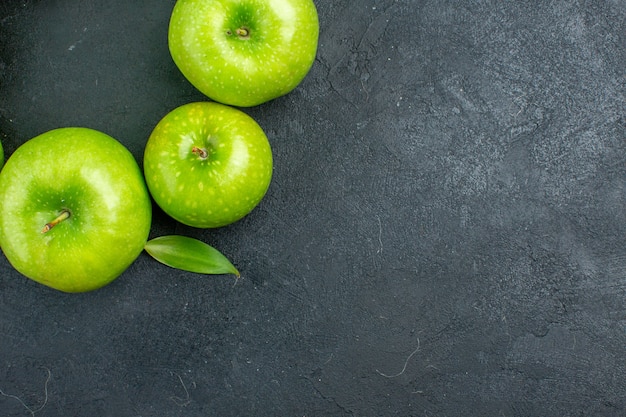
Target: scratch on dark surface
(380,234)
(376,27)
(181,402)
(29,409)
(326,397)
(405,363)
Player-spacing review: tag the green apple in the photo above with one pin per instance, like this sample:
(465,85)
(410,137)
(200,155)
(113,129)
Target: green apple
(74,209)
(1,156)
(244,52)
(207,164)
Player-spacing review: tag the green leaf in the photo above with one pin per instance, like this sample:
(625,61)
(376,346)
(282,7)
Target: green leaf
(189,254)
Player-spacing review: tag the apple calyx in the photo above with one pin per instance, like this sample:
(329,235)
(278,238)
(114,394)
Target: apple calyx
(64,215)
(201,152)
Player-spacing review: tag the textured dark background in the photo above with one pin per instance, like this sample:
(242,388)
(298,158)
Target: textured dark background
(445,233)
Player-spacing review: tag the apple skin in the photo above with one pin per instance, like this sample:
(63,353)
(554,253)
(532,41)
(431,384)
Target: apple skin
(98,181)
(212,190)
(269,59)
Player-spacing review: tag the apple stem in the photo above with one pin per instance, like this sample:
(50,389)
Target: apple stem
(201,152)
(65,214)
(243,32)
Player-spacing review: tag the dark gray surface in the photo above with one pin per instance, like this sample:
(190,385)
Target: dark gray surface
(445,234)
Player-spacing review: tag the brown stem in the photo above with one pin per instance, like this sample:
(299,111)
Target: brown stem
(201,152)
(243,32)
(65,214)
